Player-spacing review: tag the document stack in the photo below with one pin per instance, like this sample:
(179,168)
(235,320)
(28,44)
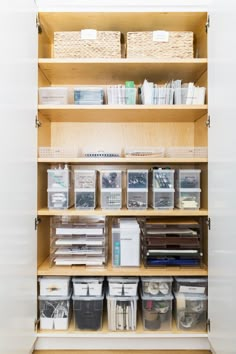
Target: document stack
(122,303)
(59,188)
(157,303)
(187,195)
(78,241)
(162,188)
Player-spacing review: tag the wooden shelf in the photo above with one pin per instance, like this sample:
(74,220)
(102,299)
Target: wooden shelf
(125,113)
(45,269)
(121,212)
(78,71)
(122,160)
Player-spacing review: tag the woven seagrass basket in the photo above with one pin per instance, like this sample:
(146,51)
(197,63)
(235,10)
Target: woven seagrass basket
(70,45)
(142,45)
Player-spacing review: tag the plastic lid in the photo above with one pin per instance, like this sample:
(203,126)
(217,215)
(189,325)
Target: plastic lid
(121,298)
(189,171)
(87,279)
(165,190)
(192,280)
(53,278)
(190,297)
(54,298)
(157,279)
(123,279)
(167,297)
(189,190)
(88,298)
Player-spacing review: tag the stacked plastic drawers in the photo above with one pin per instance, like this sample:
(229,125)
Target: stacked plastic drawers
(137,189)
(162,189)
(157,299)
(190,303)
(85,189)
(59,183)
(88,301)
(122,303)
(187,195)
(54,302)
(111,189)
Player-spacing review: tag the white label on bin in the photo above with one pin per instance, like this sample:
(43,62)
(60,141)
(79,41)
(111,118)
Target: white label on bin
(192,289)
(115,289)
(130,289)
(95,289)
(160,36)
(88,34)
(81,289)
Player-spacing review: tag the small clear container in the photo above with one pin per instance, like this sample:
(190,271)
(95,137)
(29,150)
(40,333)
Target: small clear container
(54,312)
(85,199)
(137,179)
(190,311)
(58,199)
(85,179)
(162,178)
(156,286)
(88,311)
(88,95)
(111,198)
(122,286)
(121,95)
(187,198)
(58,178)
(53,95)
(188,179)
(54,286)
(162,198)
(192,95)
(191,285)
(92,286)
(111,179)
(137,199)
(157,312)
(122,313)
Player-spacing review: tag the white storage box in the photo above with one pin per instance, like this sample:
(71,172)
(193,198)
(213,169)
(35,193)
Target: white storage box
(83,286)
(53,95)
(188,179)
(153,286)
(191,285)
(187,198)
(191,311)
(54,312)
(162,198)
(122,286)
(122,313)
(54,286)
(157,312)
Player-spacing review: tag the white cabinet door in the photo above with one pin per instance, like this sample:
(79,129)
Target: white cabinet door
(222,176)
(18,103)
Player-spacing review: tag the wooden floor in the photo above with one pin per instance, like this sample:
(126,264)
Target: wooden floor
(121,352)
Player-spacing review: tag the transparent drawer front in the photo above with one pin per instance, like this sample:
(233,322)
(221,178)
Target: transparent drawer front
(156,286)
(121,95)
(188,198)
(191,95)
(163,199)
(157,312)
(137,199)
(191,311)
(188,179)
(88,312)
(122,313)
(110,179)
(85,200)
(88,95)
(163,179)
(85,179)
(54,312)
(111,199)
(58,200)
(58,178)
(137,179)
(53,95)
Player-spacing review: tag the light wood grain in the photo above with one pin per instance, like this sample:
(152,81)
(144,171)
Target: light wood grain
(46,269)
(43,247)
(122,352)
(117,71)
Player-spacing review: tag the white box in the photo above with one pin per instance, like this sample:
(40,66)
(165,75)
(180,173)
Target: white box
(54,286)
(53,95)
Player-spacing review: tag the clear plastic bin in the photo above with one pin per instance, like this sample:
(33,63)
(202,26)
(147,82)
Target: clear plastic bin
(162,198)
(54,312)
(191,311)
(88,95)
(137,199)
(85,179)
(88,311)
(121,95)
(122,313)
(153,286)
(145,152)
(191,285)
(193,95)
(162,178)
(187,198)
(58,199)
(122,286)
(188,179)
(59,151)
(53,95)
(157,312)
(54,286)
(85,199)
(111,198)
(111,179)
(158,95)
(137,179)
(58,178)
(92,286)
